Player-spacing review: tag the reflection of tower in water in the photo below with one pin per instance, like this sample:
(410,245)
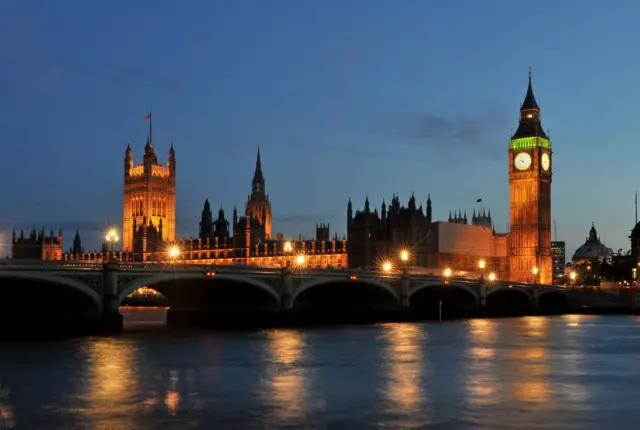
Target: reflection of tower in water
(287,388)
(532,366)
(112,386)
(6,410)
(406,371)
(483,375)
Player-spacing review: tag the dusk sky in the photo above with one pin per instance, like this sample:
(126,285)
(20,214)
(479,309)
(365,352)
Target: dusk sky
(344,99)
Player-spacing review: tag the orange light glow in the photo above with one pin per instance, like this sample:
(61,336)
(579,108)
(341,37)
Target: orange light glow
(387,266)
(492,276)
(447,273)
(404,255)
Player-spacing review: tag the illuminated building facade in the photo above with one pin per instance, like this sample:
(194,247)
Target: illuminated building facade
(149,214)
(243,240)
(37,246)
(558,254)
(377,236)
(530,174)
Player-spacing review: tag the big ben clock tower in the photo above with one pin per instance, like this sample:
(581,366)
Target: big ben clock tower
(530,196)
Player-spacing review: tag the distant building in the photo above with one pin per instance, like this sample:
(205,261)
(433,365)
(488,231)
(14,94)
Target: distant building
(558,253)
(593,250)
(37,246)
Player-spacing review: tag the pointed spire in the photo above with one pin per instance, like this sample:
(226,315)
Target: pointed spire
(530,99)
(207,206)
(257,175)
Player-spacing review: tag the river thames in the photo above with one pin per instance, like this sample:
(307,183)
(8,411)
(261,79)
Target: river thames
(565,372)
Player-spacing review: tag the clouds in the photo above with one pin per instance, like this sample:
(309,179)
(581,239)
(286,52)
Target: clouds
(449,134)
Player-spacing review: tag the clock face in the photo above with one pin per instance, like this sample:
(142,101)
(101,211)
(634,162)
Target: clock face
(546,162)
(523,161)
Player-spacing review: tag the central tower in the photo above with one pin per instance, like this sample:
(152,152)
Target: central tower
(258,205)
(530,197)
(149,195)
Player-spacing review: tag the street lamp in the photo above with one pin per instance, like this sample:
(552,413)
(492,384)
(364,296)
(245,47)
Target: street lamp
(288,247)
(492,277)
(482,264)
(300,260)
(447,273)
(573,276)
(535,274)
(404,256)
(174,253)
(387,267)
(112,237)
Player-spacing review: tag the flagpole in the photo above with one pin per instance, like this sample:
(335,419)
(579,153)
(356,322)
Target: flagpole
(150,128)
(636,208)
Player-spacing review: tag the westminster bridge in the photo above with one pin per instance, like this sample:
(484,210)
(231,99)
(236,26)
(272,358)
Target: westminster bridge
(73,291)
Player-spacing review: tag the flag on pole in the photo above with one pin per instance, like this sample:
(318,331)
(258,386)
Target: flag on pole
(146,117)
(479,200)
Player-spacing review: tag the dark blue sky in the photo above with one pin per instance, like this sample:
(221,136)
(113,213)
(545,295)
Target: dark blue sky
(344,98)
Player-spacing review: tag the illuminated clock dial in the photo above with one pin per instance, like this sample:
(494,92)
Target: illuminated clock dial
(546,162)
(523,161)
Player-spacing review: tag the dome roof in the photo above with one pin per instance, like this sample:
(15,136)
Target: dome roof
(592,249)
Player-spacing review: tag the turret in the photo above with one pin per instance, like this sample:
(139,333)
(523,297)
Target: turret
(171,161)
(429,210)
(128,159)
(349,212)
(206,221)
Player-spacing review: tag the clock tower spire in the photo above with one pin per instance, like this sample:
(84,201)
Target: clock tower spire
(530,196)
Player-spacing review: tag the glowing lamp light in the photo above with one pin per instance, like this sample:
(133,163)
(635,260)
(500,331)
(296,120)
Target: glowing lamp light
(112,236)
(300,259)
(404,255)
(482,264)
(288,247)
(386,267)
(447,273)
(492,276)
(353,277)
(573,276)
(174,252)
(535,270)
(211,273)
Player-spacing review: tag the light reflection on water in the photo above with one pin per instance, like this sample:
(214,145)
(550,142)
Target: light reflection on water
(565,372)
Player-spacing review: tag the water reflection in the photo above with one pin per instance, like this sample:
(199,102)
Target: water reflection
(6,410)
(405,372)
(172,397)
(483,375)
(111,386)
(287,386)
(536,326)
(531,366)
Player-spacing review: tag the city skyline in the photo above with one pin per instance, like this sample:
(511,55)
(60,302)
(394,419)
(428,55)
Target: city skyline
(409,121)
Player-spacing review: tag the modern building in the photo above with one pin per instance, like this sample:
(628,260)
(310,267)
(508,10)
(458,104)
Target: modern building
(558,254)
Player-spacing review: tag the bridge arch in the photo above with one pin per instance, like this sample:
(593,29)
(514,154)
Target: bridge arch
(327,281)
(427,285)
(504,288)
(552,300)
(167,277)
(70,283)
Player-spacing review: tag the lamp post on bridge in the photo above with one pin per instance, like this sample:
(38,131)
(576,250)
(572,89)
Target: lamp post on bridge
(535,274)
(112,237)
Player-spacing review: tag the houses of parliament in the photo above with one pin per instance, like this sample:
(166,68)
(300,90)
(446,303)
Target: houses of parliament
(373,236)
